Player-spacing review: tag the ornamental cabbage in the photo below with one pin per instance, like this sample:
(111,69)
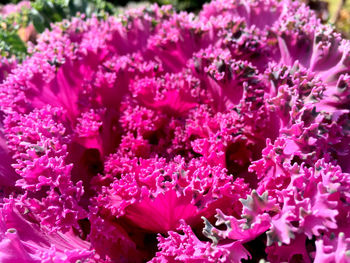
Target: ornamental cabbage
(172,137)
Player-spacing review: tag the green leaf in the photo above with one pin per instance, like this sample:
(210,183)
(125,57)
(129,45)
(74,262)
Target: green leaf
(38,20)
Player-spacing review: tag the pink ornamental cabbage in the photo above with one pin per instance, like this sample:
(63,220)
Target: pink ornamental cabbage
(172,137)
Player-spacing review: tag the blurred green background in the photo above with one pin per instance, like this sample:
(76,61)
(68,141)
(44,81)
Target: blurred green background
(21,22)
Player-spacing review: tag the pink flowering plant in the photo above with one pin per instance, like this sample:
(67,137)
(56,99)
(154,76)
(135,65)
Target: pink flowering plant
(158,136)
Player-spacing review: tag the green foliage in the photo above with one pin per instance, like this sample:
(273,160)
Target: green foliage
(188,5)
(10,42)
(44,12)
